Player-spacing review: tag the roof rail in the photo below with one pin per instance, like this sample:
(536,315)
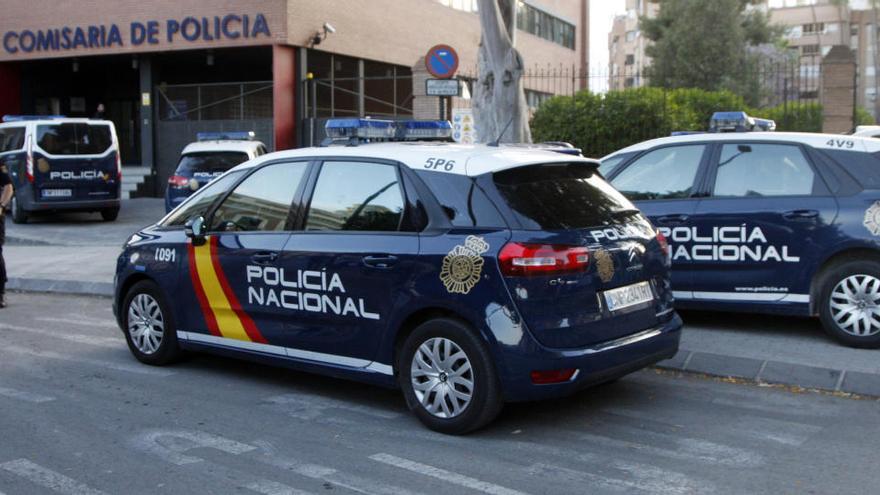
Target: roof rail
(23,118)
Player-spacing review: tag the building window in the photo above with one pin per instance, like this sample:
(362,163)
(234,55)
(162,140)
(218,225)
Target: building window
(813,28)
(536,98)
(544,25)
(630,59)
(809,50)
(465,5)
(631,35)
(629,82)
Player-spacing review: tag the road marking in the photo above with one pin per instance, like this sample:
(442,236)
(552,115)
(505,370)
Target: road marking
(170,445)
(268,455)
(691,449)
(139,369)
(314,406)
(72,337)
(25,396)
(267,487)
(645,478)
(442,474)
(47,478)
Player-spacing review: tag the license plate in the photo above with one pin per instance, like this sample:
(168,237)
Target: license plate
(57,193)
(630,295)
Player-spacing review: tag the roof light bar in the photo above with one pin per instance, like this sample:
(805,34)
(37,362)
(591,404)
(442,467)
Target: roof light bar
(364,130)
(226,136)
(424,129)
(360,129)
(23,118)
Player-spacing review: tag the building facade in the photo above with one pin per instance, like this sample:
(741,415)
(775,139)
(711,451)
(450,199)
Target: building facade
(626,46)
(164,70)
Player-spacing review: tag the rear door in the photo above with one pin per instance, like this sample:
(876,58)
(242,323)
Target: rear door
(561,213)
(764,221)
(346,271)
(663,184)
(75,161)
(13,155)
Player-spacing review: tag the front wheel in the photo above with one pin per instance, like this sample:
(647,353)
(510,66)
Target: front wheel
(448,377)
(149,325)
(18,214)
(850,303)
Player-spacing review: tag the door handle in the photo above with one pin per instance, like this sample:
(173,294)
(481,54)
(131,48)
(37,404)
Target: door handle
(800,214)
(380,261)
(672,219)
(264,258)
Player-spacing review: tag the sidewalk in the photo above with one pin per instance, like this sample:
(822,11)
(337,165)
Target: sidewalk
(77,255)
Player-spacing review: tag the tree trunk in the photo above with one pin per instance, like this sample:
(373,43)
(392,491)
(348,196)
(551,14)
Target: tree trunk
(500,111)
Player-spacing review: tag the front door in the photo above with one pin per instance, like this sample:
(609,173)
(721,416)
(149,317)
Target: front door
(246,235)
(662,183)
(761,225)
(347,270)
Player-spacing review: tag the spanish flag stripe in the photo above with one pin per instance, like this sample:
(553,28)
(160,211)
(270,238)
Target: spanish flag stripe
(249,327)
(227,320)
(207,312)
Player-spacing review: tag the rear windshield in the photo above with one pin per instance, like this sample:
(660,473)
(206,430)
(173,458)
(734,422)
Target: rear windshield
(74,138)
(562,196)
(210,161)
(11,139)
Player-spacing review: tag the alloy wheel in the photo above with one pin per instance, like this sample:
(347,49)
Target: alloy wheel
(442,377)
(855,305)
(146,325)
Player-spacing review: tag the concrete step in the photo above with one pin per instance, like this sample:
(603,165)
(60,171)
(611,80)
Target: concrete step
(132,177)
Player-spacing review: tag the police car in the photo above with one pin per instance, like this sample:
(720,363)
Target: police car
(61,164)
(208,158)
(468,276)
(765,222)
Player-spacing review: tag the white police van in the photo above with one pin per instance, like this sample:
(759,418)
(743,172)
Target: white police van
(767,222)
(61,164)
(208,158)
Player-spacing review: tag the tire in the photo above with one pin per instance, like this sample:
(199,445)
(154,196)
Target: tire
(18,215)
(849,303)
(485,401)
(110,214)
(145,299)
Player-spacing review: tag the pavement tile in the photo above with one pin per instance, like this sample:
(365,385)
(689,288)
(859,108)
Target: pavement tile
(861,383)
(800,375)
(720,365)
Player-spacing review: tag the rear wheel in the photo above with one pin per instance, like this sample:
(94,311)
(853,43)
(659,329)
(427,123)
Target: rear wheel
(18,215)
(149,325)
(448,377)
(110,214)
(850,303)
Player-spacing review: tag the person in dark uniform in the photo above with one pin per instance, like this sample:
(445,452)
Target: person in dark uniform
(5,198)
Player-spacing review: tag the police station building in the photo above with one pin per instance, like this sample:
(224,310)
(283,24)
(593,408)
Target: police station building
(165,70)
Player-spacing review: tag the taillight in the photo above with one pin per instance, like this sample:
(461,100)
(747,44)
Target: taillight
(178,181)
(519,260)
(29,161)
(118,166)
(664,244)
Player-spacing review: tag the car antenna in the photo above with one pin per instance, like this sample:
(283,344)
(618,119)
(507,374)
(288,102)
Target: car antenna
(498,139)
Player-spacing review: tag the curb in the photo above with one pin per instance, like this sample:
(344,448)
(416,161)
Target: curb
(74,287)
(774,372)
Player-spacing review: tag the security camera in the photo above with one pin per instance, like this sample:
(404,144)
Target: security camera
(328,28)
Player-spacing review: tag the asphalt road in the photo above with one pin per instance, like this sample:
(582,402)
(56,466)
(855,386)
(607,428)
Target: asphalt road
(78,415)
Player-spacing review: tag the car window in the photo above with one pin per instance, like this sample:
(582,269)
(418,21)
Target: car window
(557,197)
(262,201)
(210,162)
(357,197)
(74,139)
(763,170)
(465,203)
(199,203)
(665,173)
(609,164)
(11,139)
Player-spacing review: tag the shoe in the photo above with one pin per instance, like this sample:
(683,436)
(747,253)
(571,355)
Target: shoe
(2,301)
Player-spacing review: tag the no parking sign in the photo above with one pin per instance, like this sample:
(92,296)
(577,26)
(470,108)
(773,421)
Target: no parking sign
(441,61)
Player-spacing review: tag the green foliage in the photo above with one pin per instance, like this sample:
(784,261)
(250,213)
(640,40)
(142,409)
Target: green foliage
(794,116)
(703,44)
(864,117)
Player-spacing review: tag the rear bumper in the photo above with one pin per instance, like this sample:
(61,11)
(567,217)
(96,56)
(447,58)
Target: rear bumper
(30,204)
(595,364)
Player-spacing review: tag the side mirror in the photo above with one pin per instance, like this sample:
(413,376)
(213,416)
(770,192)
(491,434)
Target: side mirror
(194,228)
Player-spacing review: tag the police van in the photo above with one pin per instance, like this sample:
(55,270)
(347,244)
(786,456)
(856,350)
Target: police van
(466,275)
(61,164)
(208,158)
(765,222)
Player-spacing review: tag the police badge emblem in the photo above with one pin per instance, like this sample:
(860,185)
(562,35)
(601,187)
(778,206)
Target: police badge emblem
(872,218)
(604,265)
(463,265)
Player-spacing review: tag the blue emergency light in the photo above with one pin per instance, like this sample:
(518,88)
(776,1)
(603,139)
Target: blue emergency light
(226,136)
(23,118)
(738,122)
(356,130)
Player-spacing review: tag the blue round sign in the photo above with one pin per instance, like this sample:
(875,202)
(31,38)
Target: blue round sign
(441,61)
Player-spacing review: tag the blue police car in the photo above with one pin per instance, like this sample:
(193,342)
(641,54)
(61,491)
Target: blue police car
(61,164)
(208,158)
(467,276)
(765,222)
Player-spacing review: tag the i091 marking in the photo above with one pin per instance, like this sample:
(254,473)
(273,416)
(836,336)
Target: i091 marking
(166,254)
